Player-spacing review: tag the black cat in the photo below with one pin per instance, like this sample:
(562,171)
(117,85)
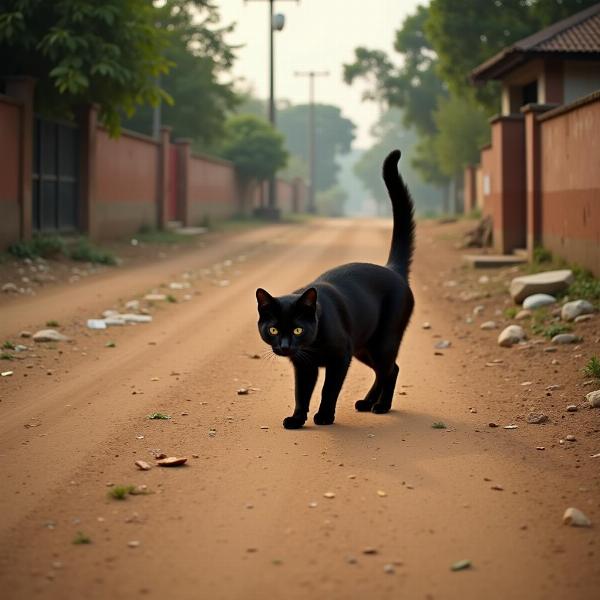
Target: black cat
(358,309)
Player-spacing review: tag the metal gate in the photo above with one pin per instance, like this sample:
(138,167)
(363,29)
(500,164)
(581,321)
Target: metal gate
(56,167)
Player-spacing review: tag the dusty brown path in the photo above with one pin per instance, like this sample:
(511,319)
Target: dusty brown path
(238,522)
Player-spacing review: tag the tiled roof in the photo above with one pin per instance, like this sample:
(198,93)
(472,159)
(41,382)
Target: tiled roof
(577,35)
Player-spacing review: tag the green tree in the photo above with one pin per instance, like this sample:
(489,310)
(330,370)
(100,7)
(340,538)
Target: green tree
(200,58)
(462,129)
(415,85)
(254,146)
(465,33)
(83,51)
(334,135)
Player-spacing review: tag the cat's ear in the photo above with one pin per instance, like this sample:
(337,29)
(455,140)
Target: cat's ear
(263,298)
(308,299)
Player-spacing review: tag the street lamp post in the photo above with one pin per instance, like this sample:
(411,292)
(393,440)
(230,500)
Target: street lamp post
(276,23)
(312,133)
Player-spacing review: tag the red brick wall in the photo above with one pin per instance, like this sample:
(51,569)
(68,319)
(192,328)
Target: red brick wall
(570,183)
(10,139)
(126,184)
(212,190)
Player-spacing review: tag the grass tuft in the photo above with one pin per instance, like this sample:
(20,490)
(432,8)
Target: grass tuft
(511,312)
(40,246)
(85,251)
(6,356)
(82,538)
(8,345)
(120,492)
(592,368)
(52,323)
(157,416)
(438,425)
(171,298)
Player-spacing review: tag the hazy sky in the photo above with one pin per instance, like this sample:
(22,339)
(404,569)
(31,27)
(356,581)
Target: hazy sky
(319,35)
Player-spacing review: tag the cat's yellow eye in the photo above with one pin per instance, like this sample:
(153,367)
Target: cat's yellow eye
(273,330)
(298,331)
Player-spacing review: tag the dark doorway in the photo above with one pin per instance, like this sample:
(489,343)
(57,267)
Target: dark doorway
(55,177)
(530,93)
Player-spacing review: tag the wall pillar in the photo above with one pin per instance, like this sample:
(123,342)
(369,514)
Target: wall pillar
(184,154)
(162,197)
(88,131)
(533,174)
(23,88)
(469,189)
(508,183)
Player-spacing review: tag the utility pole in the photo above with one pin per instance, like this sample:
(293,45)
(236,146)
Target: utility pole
(276,23)
(312,133)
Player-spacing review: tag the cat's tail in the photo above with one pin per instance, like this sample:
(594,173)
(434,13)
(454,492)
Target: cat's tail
(403,234)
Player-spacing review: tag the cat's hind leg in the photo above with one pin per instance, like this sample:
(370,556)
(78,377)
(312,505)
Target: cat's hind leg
(373,394)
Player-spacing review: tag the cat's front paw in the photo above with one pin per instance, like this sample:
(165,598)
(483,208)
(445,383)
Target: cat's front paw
(293,422)
(380,409)
(323,419)
(363,405)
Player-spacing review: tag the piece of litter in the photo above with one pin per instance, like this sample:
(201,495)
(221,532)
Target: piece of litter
(6,373)
(461,565)
(511,427)
(329,495)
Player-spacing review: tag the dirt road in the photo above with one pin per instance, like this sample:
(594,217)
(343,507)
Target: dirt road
(247,517)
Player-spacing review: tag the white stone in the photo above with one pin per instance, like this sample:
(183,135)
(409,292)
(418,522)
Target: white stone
(523,314)
(565,338)
(132,305)
(155,297)
(478,309)
(549,282)
(594,399)
(131,318)
(114,321)
(10,288)
(513,334)
(537,301)
(583,318)
(488,325)
(110,313)
(96,324)
(571,310)
(576,518)
(49,335)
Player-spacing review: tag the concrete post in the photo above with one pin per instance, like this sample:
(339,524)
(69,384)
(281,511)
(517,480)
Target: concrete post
(162,199)
(23,89)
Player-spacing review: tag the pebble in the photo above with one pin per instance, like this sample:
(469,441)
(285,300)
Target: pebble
(171,461)
(443,344)
(583,318)
(389,569)
(594,399)
(460,565)
(426,325)
(571,310)
(511,427)
(142,465)
(49,335)
(523,314)
(312,505)
(369,550)
(537,301)
(572,408)
(513,334)
(492,424)
(6,373)
(243,392)
(570,438)
(329,495)
(25,334)
(576,518)
(155,297)
(565,338)
(10,288)
(478,309)
(381,493)
(488,325)
(133,544)
(537,418)
(497,488)
(351,560)
(96,324)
